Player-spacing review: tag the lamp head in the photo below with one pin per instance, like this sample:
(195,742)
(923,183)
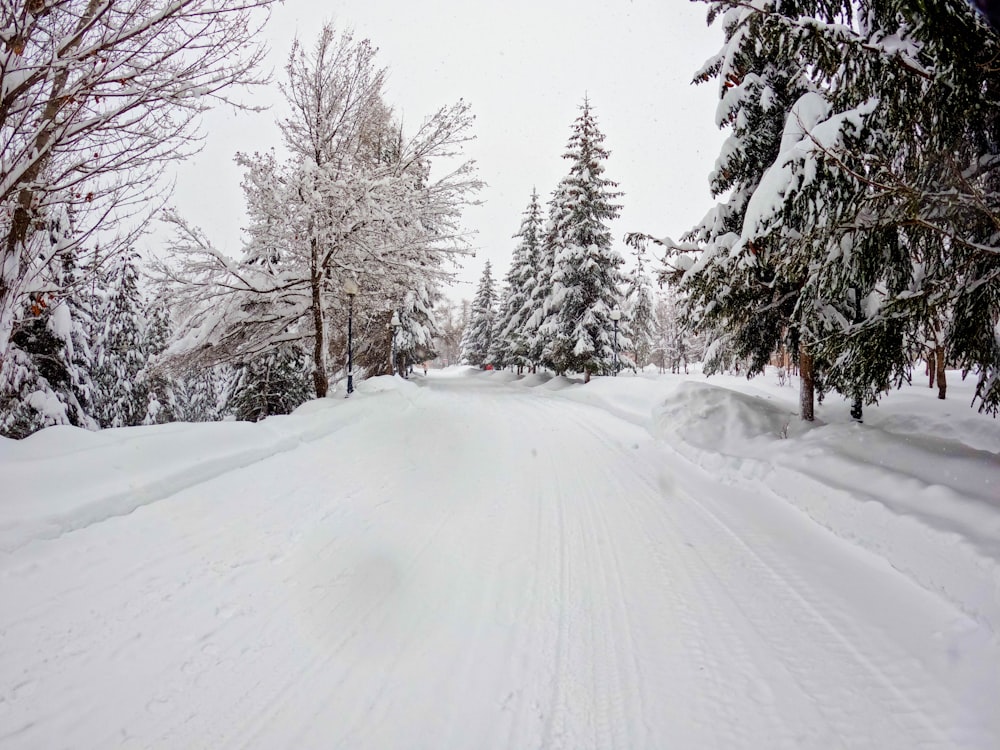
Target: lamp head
(351,288)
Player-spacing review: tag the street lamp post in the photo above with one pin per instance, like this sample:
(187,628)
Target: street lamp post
(351,290)
(395,323)
(616,315)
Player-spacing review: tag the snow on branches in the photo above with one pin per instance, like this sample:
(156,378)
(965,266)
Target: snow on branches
(357,198)
(858,193)
(95,97)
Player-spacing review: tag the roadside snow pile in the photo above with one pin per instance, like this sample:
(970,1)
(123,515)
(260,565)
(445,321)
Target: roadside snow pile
(906,485)
(722,420)
(532,379)
(384,383)
(113,472)
(559,382)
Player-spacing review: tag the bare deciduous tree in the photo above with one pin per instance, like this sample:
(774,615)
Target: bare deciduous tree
(97,96)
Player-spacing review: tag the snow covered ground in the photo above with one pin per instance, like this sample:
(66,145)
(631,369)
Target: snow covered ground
(472,560)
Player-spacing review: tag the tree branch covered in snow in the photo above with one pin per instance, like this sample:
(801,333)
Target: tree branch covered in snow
(858,191)
(357,199)
(95,97)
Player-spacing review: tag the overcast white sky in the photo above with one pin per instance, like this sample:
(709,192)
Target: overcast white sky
(525,67)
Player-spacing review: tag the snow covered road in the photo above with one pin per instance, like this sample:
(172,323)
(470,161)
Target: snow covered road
(473,565)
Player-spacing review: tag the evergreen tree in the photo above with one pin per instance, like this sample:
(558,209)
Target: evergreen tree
(512,341)
(872,206)
(120,365)
(640,313)
(541,305)
(45,379)
(160,408)
(733,292)
(479,334)
(499,354)
(586,275)
(414,338)
(197,396)
(275,382)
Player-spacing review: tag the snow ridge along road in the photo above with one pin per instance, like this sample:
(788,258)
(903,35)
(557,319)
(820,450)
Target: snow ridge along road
(478,565)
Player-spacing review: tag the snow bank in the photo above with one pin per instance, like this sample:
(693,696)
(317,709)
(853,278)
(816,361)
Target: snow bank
(558,383)
(113,472)
(385,383)
(534,379)
(907,486)
(722,420)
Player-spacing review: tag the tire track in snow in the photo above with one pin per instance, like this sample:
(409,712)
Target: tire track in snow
(882,673)
(901,711)
(707,657)
(556,708)
(620,687)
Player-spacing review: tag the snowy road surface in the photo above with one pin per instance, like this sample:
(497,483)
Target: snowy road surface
(472,565)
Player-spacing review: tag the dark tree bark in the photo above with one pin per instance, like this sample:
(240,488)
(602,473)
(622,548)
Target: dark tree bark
(806,385)
(320,380)
(939,366)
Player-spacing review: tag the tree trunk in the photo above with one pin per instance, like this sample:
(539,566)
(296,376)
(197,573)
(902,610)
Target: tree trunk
(939,366)
(320,380)
(806,385)
(856,410)
(586,375)
(931,367)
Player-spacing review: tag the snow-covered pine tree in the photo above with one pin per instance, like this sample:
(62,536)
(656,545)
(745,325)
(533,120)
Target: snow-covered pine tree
(178,393)
(499,353)
(586,276)
(160,408)
(414,339)
(121,358)
(731,292)
(512,342)
(909,236)
(878,208)
(541,303)
(479,334)
(275,382)
(45,378)
(639,312)
(193,396)
(934,184)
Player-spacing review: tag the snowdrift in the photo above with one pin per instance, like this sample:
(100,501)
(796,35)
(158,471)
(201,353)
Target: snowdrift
(114,472)
(927,499)
(721,420)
